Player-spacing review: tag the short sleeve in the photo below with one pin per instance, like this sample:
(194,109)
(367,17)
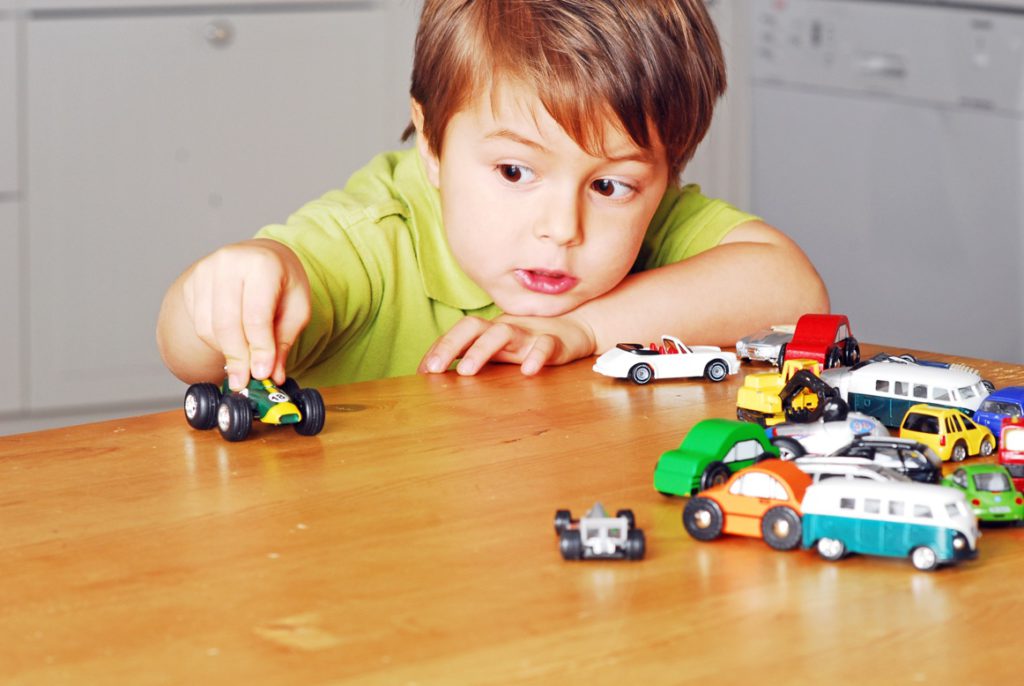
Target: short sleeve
(686,224)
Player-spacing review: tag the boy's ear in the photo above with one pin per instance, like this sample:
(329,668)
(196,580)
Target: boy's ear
(430,161)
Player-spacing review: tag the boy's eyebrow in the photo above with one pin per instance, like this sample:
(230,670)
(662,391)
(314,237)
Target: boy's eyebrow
(637,155)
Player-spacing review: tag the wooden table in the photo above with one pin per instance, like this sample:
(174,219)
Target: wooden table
(412,542)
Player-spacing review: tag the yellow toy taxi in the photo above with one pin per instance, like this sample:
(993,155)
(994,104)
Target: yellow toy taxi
(947,431)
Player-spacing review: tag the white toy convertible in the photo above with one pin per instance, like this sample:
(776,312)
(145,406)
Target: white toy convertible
(672,359)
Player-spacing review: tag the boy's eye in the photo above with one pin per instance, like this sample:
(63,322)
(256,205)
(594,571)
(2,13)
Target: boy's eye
(611,188)
(514,173)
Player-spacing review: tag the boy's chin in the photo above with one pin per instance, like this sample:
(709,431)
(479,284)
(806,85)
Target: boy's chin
(538,305)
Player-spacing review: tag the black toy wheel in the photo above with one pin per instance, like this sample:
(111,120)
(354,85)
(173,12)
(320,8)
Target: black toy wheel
(716,474)
(641,374)
(851,354)
(833,358)
(789,448)
(831,549)
(782,357)
(563,520)
(234,417)
(311,407)
(571,544)
(781,528)
(290,387)
(636,545)
(702,519)
(201,402)
(716,370)
(628,514)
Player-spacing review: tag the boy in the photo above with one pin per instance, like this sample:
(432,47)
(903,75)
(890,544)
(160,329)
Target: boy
(538,219)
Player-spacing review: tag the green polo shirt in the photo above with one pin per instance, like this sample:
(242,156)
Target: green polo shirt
(385,285)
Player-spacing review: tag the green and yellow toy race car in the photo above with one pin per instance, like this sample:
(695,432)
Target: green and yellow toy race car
(207,406)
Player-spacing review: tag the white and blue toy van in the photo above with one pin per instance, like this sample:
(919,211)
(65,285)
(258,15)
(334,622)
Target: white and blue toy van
(932,525)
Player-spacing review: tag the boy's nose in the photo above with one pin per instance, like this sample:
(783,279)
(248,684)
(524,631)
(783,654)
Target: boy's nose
(560,220)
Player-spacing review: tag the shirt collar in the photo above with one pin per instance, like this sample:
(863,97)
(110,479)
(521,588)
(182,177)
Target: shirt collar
(443,278)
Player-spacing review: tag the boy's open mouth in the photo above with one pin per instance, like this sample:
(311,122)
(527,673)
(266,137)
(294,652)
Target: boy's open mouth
(543,281)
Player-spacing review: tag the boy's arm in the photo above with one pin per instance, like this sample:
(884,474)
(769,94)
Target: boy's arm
(755,277)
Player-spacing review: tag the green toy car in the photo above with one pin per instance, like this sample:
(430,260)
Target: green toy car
(990,492)
(712,451)
(207,406)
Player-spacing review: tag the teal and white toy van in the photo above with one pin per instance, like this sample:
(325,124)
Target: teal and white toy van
(932,525)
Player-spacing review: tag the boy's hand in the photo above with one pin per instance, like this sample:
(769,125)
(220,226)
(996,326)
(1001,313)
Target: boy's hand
(249,301)
(531,342)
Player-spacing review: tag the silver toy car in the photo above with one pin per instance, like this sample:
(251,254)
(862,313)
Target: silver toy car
(765,345)
(823,437)
(598,536)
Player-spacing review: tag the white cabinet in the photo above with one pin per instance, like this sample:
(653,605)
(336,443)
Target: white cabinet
(11,378)
(152,139)
(8,102)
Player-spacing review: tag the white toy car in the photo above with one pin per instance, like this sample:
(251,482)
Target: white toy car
(822,468)
(823,437)
(765,345)
(598,536)
(672,359)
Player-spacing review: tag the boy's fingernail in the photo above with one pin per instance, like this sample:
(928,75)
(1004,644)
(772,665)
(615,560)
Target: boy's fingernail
(261,370)
(434,365)
(235,382)
(466,367)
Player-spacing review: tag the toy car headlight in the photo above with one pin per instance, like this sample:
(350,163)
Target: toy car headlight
(959,542)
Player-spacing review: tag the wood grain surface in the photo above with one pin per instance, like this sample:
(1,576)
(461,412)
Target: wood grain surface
(412,543)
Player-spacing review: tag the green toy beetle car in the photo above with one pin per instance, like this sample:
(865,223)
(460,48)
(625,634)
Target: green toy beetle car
(207,406)
(989,491)
(712,451)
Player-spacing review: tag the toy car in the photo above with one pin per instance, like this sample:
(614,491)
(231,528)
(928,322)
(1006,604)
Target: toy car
(947,431)
(1000,404)
(930,524)
(207,406)
(1011,450)
(765,345)
(762,501)
(886,388)
(825,338)
(823,467)
(990,491)
(710,452)
(911,458)
(671,359)
(598,536)
(824,436)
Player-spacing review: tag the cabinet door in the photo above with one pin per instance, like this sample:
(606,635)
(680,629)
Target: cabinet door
(11,379)
(153,140)
(8,101)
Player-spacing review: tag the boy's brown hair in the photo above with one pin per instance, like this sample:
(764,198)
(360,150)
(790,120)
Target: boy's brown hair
(650,63)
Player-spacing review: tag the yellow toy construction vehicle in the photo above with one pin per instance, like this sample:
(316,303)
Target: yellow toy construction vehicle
(796,394)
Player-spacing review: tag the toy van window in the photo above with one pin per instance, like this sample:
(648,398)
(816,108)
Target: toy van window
(952,510)
(881,385)
(922,512)
(920,391)
(872,505)
(967,392)
(896,508)
(901,388)
(847,504)
(940,394)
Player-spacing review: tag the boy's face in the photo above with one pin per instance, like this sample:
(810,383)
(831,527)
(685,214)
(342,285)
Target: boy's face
(537,222)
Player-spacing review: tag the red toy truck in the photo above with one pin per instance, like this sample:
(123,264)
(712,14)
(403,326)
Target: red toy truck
(825,338)
(1011,449)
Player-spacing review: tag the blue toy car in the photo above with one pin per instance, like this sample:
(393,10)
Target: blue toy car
(1006,402)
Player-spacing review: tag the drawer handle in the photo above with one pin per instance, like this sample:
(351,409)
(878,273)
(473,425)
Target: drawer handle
(219,33)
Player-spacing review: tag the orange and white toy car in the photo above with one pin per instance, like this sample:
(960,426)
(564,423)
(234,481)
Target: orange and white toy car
(761,501)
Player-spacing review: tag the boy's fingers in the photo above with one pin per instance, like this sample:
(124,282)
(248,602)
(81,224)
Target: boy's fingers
(292,316)
(495,339)
(259,301)
(542,351)
(453,344)
(229,334)
(199,305)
